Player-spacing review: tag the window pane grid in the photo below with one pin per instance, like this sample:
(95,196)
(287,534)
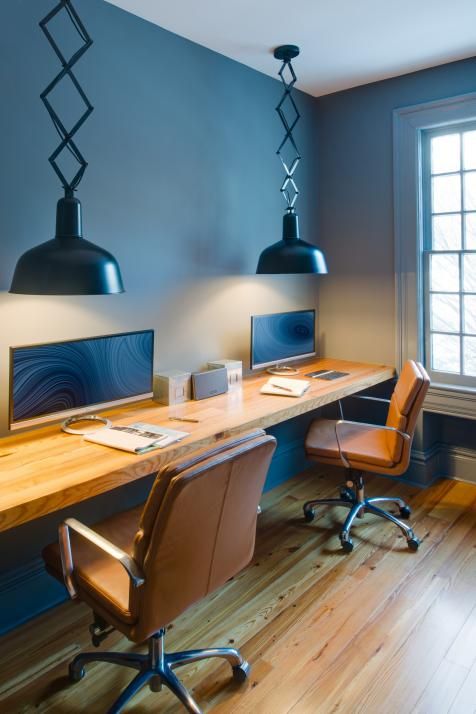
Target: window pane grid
(453,334)
(443,292)
(450,262)
(453,213)
(454,173)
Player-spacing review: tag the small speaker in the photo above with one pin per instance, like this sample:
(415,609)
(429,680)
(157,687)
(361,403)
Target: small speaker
(209,384)
(234,368)
(172,387)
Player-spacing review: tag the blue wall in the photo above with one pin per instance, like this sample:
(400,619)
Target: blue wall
(357,298)
(355,162)
(183,187)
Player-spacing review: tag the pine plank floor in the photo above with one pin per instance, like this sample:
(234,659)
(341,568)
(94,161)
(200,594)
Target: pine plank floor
(381,630)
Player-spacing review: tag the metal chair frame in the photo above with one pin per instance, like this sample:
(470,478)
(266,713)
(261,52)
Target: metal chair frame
(156,667)
(352,495)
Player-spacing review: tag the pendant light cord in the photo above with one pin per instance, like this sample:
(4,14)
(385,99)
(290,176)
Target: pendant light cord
(289,187)
(66,71)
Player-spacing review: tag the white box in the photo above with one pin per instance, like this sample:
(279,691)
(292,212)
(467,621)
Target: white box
(234,368)
(172,386)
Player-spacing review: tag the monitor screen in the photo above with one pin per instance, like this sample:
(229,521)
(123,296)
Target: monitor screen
(59,379)
(281,337)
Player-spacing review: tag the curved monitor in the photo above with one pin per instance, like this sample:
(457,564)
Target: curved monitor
(60,379)
(282,337)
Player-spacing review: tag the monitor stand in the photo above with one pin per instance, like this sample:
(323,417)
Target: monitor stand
(282,370)
(98,421)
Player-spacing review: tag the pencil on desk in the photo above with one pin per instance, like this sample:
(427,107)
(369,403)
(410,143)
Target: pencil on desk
(279,386)
(194,421)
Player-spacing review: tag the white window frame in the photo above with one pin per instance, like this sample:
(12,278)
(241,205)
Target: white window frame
(466,381)
(408,125)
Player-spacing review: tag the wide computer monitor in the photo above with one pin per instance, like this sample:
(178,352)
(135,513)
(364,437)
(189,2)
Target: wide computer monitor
(282,337)
(62,379)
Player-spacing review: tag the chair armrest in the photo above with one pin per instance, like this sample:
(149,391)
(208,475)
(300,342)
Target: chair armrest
(370,398)
(98,541)
(338,423)
(361,396)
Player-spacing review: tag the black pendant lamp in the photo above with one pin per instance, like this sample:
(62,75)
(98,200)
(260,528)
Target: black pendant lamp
(291,254)
(68,264)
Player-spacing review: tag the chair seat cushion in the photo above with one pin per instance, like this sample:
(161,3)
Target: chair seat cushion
(99,577)
(364,447)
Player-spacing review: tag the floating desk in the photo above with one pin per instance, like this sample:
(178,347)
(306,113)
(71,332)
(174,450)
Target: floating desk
(44,470)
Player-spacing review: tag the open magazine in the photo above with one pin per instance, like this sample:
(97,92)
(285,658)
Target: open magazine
(137,438)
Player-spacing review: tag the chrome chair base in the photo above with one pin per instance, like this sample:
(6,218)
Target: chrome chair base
(358,505)
(156,669)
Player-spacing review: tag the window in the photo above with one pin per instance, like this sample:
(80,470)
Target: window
(435,247)
(449,253)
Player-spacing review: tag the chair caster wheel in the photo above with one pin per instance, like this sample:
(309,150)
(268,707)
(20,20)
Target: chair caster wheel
(309,515)
(75,674)
(241,672)
(405,512)
(347,546)
(413,543)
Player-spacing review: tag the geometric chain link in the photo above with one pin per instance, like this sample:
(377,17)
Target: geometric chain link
(66,71)
(289,188)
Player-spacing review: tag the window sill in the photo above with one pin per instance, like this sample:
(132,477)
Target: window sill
(451,400)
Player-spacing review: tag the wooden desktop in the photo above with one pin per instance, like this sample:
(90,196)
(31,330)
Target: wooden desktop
(44,470)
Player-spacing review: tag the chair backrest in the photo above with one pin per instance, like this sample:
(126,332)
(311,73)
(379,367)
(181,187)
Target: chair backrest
(198,527)
(405,406)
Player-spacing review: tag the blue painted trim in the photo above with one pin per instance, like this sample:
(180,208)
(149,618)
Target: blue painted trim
(25,592)
(288,461)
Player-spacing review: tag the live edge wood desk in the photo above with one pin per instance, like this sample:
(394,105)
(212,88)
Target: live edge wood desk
(44,470)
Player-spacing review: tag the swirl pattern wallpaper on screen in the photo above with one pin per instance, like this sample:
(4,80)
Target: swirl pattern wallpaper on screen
(67,375)
(282,336)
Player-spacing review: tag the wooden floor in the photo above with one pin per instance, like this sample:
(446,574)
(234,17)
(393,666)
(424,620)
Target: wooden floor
(381,630)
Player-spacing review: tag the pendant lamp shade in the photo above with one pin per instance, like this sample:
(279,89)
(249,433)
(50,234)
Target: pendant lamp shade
(291,254)
(68,264)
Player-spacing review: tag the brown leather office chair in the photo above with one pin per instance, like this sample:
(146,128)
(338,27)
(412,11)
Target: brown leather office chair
(140,569)
(368,447)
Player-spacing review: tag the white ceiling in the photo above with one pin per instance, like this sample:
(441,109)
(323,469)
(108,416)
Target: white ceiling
(344,43)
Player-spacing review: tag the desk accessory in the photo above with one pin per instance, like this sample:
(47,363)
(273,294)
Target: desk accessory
(291,254)
(280,386)
(68,264)
(100,423)
(285,387)
(234,368)
(193,421)
(210,383)
(172,386)
(283,370)
(137,438)
(327,374)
